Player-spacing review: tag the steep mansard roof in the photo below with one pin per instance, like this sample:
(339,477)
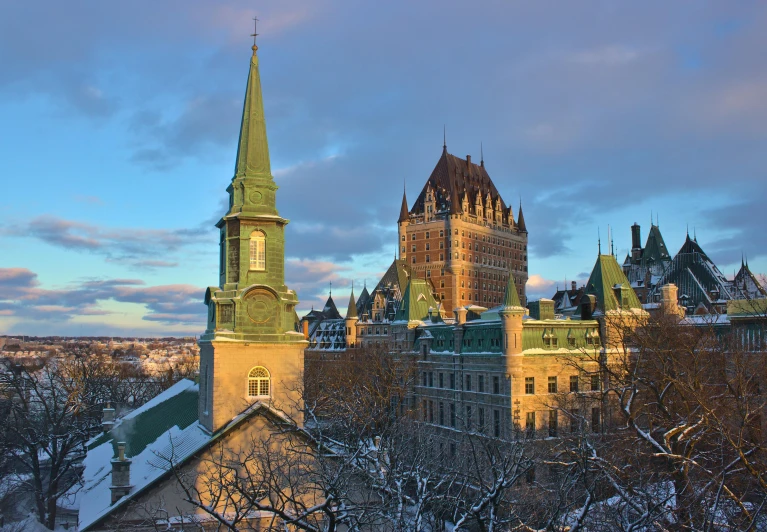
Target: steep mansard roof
(695,275)
(451,178)
(606,278)
(416,301)
(655,248)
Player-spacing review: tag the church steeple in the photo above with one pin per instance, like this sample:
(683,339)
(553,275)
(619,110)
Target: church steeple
(252,148)
(251,327)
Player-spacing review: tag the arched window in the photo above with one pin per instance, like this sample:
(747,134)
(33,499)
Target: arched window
(257,251)
(258,382)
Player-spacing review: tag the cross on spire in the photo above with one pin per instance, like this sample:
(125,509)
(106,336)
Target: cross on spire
(255,30)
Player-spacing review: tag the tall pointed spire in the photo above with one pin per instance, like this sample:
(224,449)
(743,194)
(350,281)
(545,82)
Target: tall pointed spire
(252,148)
(351,311)
(521,219)
(404,212)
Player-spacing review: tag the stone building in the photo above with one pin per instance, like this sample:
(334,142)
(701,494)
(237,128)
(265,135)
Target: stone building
(462,236)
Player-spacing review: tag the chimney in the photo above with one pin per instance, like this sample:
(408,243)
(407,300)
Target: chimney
(121,485)
(468,159)
(305,327)
(460,315)
(107,418)
(588,306)
(574,286)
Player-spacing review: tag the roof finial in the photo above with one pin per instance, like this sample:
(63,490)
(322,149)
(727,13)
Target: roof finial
(741,260)
(481,154)
(694,233)
(688,231)
(444,137)
(599,241)
(255,34)
(330,292)
(651,219)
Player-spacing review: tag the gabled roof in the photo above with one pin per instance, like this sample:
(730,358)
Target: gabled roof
(451,178)
(747,283)
(606,278)
(166,427)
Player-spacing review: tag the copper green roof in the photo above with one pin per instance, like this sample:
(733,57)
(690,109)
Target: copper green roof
(141,430)
(416,302)
(605,277)
(562,334)
(253,149)
(511,298)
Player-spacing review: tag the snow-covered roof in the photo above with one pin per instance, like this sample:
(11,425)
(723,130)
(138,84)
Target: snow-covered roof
(164,428)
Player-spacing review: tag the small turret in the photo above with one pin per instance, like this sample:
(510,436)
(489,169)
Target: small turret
(351,322)
(402,223)
(511,318)
(521,220)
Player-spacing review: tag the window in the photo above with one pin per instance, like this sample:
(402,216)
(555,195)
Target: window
(468,383)
(441,380)
(595,419)
(412,237)
(431,411)
(574,420)
(530,422)
(257,250)
(424,409)
(441,233)
(425,379)
(496,385)
(552,385)
(595,383)
(431,379)
(553,423)
(428,247)
(258,382)
(529,385)
(468,417)
(413,248)
(481,425)
(481,384)
(403,238)
(497,423)
(441,413)
(452,415)
(452,381)
(427,236)
(573,383)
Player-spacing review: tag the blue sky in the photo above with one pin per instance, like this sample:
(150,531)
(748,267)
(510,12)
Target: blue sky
(119,122)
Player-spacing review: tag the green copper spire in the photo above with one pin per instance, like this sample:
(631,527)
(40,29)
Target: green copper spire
(253,149)
(511,299)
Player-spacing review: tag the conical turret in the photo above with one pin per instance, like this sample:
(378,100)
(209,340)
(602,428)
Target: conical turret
(521,220)
(404,212)
(351,311)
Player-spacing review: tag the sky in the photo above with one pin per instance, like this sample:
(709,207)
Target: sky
(119,121)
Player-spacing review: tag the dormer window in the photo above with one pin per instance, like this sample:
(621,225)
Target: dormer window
(257,250)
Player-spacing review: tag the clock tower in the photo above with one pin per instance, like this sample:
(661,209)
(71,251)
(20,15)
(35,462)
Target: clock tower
(251,350)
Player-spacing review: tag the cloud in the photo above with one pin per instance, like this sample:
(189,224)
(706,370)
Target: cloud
(538,287)
(169,305)
(134,246)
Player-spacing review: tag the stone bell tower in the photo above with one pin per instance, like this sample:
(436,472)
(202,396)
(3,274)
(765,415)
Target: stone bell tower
(251,350)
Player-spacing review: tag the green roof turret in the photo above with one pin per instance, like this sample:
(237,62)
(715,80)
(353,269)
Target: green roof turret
(511,299)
